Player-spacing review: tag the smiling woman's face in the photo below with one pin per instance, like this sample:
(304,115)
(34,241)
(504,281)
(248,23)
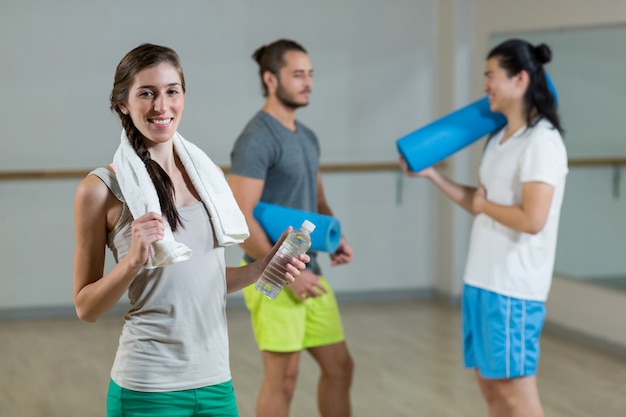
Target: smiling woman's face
(503,91)
(156,101)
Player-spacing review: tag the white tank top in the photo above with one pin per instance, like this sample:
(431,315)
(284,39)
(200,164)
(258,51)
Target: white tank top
(175,335)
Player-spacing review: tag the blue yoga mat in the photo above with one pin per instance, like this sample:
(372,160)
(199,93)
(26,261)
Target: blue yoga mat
(275,219)
(445,136)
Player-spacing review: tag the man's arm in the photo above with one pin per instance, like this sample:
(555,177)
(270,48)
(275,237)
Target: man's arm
(247,192)
(343,254)
(322,204)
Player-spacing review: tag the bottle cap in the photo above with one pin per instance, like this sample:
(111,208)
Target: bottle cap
(308,226)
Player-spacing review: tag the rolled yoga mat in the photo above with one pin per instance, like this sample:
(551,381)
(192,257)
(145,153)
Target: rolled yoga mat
(275,219)
(445,136)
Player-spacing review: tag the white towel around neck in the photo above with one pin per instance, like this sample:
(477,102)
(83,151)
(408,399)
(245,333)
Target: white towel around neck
(229,224)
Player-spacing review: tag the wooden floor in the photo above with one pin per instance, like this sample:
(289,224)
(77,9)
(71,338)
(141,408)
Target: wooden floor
(407,357)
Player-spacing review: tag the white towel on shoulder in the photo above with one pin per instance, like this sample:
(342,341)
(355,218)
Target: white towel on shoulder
(228,222)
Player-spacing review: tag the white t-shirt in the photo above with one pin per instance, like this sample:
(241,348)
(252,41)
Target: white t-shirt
(501,259)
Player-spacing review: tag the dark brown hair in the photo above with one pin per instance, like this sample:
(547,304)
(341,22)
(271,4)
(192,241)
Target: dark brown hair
(515,55)
(142,57)
(271,57)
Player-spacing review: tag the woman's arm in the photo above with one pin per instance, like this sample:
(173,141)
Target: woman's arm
(462,195)
(529,217)
(95,293)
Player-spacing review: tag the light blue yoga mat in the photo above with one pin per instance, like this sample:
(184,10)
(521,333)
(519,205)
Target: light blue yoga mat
(445,136)
(275,219)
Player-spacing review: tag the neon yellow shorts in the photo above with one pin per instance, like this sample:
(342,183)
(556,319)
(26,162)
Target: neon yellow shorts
(288,324)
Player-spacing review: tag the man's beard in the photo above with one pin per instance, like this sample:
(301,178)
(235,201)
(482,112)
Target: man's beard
(287,99)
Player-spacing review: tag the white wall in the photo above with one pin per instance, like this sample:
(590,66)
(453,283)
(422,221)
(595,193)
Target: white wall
(590,310)
(394,68)
(374,71)
(454,90)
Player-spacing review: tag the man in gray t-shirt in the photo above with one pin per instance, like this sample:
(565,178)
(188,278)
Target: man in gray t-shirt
(286,161)
(276,160)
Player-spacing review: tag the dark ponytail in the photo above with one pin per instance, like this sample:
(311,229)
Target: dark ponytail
(142,57)
(516,55)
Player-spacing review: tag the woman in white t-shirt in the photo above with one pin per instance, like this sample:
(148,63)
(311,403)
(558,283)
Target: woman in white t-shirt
(513,240)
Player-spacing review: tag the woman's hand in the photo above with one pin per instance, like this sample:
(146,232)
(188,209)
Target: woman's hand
(426,172)
(146,230)
(478,200)
(296,267)
(295,264)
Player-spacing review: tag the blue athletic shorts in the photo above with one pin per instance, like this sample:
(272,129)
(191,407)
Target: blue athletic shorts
(500,333)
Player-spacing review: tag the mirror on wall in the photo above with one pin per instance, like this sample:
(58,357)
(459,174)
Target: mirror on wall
(588,68)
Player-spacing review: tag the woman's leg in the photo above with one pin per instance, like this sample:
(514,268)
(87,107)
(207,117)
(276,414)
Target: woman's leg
(515,397)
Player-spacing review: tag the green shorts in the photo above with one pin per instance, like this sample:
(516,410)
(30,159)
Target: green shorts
(212,401)
(288,324)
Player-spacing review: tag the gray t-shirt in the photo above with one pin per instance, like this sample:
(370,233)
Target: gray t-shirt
(287,161)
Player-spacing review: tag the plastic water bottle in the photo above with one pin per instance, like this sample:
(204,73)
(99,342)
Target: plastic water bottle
(273,279)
